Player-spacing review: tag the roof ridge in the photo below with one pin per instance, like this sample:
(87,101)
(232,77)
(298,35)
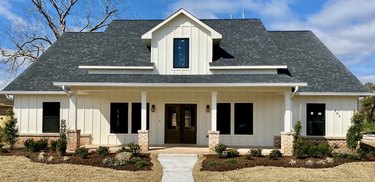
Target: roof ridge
(219,19)
(288,31)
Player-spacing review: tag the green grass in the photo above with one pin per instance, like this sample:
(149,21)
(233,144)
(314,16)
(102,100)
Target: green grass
(212,164)
(231,161)
(368,127)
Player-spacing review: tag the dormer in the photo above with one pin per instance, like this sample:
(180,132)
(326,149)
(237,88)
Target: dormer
(181,44)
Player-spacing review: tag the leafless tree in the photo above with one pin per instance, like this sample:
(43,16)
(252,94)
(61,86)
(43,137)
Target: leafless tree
(47,22)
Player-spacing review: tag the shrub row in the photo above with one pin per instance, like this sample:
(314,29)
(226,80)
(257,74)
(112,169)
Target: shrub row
(36,146)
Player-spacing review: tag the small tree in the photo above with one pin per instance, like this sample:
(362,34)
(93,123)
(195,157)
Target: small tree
(62,142)
(297,140)
(10,131)
(354,134)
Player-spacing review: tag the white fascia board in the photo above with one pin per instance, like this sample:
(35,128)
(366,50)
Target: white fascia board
(248,67)
(214,33)
(336,93)
(32,92)
(108,84)
(117,67)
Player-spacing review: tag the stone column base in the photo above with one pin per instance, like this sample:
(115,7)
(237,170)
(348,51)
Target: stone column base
(213,140)
(143,140)
(74,137)
(287,143)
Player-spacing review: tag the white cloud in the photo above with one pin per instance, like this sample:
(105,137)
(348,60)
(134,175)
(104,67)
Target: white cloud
(5,7)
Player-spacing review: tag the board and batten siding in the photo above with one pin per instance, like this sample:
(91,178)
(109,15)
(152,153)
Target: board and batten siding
(28,110)
(339,111)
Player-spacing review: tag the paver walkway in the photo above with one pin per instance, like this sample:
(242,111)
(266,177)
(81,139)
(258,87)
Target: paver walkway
(177,167)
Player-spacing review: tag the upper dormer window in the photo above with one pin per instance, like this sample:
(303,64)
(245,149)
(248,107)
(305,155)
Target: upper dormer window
(181,53)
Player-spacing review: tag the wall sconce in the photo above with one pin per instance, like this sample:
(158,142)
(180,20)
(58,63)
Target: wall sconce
(153,108)
(207,108)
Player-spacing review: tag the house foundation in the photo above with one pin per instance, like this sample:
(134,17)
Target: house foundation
(143,140)
(213,140)
(287,143)
(74,138)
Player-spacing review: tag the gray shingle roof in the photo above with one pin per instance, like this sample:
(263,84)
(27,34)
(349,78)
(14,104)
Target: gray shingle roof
(245,42)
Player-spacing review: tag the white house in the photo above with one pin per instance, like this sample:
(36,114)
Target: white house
(184,80)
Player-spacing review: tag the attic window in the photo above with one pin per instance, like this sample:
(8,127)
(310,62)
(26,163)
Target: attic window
(181,53)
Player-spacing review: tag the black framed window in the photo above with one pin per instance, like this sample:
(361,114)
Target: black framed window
(243,118)
(136,116)
(181,53)
(223,118)
(119,118)
(316,119)
(51,117)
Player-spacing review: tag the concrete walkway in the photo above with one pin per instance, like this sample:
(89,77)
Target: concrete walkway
(177,167)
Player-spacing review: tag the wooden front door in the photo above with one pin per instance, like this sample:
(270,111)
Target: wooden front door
(180,123)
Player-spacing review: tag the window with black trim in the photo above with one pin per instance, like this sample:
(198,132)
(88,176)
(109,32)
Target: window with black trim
(181,53)
(316,119)
(243,118)
(223,118)
(136,116)
(51,117)
(119,118)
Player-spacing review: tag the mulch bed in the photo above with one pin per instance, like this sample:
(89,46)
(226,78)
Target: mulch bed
(224,164)
(93,159)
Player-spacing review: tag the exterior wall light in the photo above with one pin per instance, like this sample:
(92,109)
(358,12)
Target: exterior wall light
(208,108)
(153,108)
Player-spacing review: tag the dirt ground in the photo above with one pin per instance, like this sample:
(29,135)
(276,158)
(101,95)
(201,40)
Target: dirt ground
(356,171)
(16,168)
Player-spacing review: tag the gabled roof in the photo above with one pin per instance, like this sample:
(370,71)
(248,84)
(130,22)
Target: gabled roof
(213,33)
(245,42)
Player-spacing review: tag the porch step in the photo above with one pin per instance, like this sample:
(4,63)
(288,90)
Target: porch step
(177,167)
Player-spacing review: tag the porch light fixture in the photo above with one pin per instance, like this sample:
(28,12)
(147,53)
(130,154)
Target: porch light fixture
(153,108)
(207,108)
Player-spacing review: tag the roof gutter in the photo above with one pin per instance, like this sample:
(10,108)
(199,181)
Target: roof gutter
(336,94)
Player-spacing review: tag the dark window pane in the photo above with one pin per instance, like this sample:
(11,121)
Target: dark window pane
(119,117)
(316,120)
(243,118)
(51,117)
(181,53)
(136,116)
(223,118)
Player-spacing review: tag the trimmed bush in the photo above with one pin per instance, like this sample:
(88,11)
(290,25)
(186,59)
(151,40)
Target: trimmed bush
(231,153)
(319,151)
(348,156)
(354,134)
(82,152)
(134,148)
(62,142)
(10,131)
(255,152)
(212,164)
(36,146)
(28,142)
(275,154)
(231,161)
(141,163)
(219,149)
(103,151)
(53,145)
(298,148)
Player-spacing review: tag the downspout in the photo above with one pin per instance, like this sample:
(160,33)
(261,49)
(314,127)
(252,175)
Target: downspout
(65,89)
(8,97)
(294,93)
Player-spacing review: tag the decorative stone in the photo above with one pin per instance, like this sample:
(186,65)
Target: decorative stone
(73,140)
(143,140)
(123,156)
(213,140)
(287,143)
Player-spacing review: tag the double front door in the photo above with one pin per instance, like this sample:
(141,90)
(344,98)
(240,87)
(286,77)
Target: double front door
(180,123)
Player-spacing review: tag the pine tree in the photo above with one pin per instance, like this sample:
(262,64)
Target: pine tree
(10,131)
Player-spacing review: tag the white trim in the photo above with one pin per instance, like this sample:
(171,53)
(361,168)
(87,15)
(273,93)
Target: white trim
(33,92)
(214,34)
(248,67)
(106,84)
(337,93)
(116,67)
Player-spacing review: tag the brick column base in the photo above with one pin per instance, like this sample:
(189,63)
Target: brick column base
(73,140)
(143,140)
(213,140)
(287,143)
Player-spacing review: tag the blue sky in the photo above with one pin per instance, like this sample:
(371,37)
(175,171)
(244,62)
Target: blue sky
(347,27)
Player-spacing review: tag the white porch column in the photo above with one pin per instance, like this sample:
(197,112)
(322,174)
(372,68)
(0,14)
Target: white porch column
(72,112)
(288,113)
(213,111)
(144,110)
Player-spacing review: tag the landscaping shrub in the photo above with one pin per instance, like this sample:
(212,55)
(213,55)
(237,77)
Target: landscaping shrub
(348,156)
(231,161)
(275,154)
(103,151)
(62,141)
(122,149)
(133,160)
(134,148)
(219,149)
(28,142)
(53,145)
(230,153)
(10,131)
(255,152)
(36,146)
(212,164)
(140,164)
(82,152)
(319,151)
(1,134)
(354,134)
(298,148)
